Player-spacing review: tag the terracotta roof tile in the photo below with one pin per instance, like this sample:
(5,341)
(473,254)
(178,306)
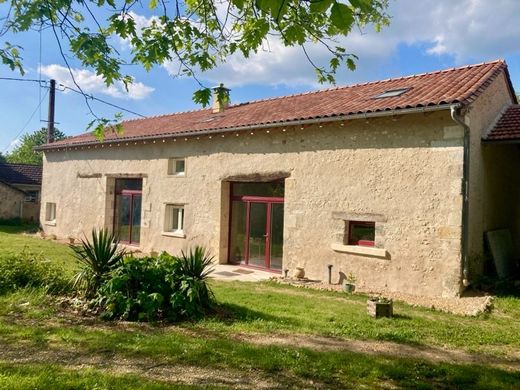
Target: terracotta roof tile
(20,173)
(507,128)
(457,85)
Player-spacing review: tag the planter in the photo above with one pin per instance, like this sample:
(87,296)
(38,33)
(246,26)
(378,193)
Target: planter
(299,273)
(349,287)
(380,307)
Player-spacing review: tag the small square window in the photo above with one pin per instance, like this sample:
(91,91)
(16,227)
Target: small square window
(361,233)
(174,219)
(50,212)
(31,196)
(176,167)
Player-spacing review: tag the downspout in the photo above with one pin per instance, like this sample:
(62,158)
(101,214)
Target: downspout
(456,116)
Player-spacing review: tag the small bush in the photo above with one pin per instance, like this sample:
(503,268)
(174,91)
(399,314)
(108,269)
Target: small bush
(30,270)
(154,288)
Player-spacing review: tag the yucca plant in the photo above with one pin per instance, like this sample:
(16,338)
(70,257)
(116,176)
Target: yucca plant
(197,263)
(97,258)
(191,294)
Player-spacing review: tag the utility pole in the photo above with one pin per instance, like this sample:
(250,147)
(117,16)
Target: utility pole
(50,122)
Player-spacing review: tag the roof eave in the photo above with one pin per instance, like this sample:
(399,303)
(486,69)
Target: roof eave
(194,133)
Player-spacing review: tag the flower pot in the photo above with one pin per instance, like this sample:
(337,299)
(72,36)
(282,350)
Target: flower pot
(349,287)
(299,273)
(378,308)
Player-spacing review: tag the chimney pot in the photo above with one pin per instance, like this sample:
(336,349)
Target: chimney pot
(220,98)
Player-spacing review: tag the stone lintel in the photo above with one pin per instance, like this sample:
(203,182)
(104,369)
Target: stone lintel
(362,217)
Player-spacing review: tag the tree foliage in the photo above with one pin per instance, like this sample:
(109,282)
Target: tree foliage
(24,152)
(195,34)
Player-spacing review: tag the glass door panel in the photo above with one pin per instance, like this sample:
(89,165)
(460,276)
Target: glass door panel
(122,217)
(136,219)
(238,232)
(276,236)
(257,234)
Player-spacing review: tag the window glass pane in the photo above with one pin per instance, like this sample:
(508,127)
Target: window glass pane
(275,189)
(276,236)
(50,211)
(179,166)
(362,233)
(128,184)
(180,218)
(238,232)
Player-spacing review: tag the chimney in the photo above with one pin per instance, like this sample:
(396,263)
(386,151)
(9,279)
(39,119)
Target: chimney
(220,98)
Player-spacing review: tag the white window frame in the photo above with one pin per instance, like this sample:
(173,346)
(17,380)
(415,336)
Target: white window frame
(169,229)
(50,213)
(172,167)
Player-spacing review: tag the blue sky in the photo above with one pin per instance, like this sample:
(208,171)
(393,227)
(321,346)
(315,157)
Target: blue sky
(423,36)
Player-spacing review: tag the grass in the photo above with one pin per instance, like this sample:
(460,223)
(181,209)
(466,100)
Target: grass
(45,345)
(16,239)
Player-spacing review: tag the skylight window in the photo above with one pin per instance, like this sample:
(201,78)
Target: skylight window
(391,93)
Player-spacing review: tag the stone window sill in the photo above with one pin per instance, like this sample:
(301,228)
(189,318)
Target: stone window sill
(174,234)
(360,250)
(50,223)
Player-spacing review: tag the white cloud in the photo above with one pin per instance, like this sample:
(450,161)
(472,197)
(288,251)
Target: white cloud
(466,31)
(93,83)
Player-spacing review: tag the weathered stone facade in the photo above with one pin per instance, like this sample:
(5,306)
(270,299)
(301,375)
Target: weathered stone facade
(402,172)
(11,202)
(406,170)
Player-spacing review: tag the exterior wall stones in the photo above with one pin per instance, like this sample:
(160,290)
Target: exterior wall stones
(480,118)
(11,202)
(405,170)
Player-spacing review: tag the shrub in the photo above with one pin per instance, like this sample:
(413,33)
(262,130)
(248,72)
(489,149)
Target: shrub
(97,258)
(30,270)
(154,288)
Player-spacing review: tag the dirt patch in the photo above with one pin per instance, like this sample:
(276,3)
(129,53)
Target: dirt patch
(466,306)
(382,348)
(151,369)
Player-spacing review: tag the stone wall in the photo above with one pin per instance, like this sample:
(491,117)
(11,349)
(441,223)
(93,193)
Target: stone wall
(405,169)
(481,117)
(11,202)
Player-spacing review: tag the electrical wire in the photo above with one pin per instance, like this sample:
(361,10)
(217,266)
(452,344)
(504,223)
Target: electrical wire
(92,97)
(26,123)
(101,100)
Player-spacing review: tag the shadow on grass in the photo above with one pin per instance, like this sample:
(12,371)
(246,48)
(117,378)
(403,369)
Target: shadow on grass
(283,366)
(230,313)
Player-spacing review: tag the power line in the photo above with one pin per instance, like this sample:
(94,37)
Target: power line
(20,79)
(27,123)
(101,100)
(92,97)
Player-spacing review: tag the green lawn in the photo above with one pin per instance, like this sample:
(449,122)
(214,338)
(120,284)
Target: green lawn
(16,239)
(262,335)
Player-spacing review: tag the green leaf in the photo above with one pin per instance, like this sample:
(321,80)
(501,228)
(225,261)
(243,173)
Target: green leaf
(202,96)
(341,17)
(152,4)
(320,5)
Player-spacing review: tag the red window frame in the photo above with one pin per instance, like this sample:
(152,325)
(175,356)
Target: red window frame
(351,240)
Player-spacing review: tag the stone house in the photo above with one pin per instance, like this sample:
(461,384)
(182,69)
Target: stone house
(393,181)
(20,187)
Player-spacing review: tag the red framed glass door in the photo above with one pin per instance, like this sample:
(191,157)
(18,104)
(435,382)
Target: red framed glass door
(127,211)
(256,234)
